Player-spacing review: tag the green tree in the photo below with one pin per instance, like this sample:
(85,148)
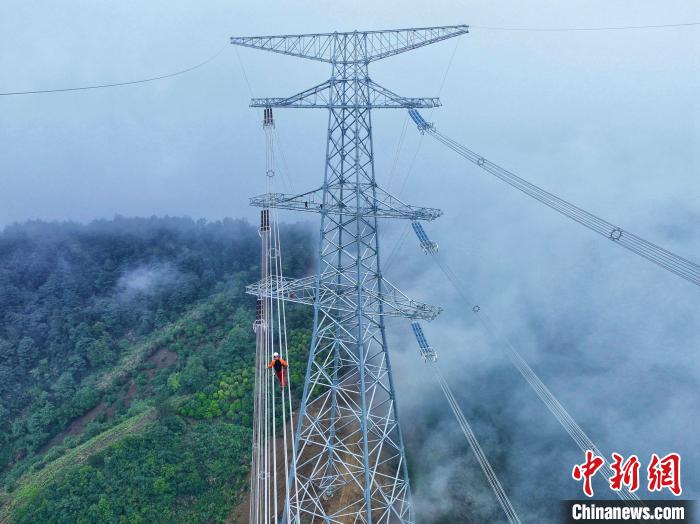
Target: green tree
(195,375)
(174,382)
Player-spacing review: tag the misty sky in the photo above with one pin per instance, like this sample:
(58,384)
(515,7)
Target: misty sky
(608,120)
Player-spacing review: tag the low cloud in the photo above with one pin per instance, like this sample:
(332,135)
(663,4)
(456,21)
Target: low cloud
(146,280)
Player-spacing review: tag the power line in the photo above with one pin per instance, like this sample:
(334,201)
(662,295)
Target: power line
(430,357)
(566,29)
(479,454)
(286,174)
(409,171)
(117,84)
(420,142)
(245,74)
(670,261)
(541,390)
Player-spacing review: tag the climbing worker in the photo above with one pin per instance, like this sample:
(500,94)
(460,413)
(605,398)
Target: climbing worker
(280,366)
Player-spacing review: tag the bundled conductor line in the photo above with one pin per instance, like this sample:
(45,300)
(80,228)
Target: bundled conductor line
(430,357)
(493,481)
(670,261)
(568,423)
(546,396)
(271,410)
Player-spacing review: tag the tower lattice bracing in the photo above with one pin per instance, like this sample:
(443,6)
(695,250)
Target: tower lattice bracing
(350,463)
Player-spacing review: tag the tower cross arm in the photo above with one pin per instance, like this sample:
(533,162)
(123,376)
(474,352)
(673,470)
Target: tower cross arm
(383,98)
(314,46)
(339,296)
(377,203)
(381,44)
(351,47)
(317,96)
(374,97)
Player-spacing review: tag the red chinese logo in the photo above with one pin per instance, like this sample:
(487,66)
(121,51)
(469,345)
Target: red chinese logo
(586,471)
(665,473)
(662,472)
(626,473)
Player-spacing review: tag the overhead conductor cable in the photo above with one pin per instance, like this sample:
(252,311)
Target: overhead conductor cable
(267,489)
(429,355)
(670,261)
(116,84)
(563,417)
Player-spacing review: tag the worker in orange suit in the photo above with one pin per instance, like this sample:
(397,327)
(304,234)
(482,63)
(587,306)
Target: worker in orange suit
(280,366)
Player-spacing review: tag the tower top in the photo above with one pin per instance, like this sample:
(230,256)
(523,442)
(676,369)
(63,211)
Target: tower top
(353,46)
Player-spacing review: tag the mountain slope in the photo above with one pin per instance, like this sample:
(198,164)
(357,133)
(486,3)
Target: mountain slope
(125,321)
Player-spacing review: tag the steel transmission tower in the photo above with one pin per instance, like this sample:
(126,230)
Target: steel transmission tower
(350,464)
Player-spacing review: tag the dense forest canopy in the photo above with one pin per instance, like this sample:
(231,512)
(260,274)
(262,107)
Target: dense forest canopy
(130,341)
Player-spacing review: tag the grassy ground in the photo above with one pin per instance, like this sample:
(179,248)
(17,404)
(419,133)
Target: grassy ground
(33,481)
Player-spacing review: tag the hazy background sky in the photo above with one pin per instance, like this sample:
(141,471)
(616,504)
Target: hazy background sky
(609,120)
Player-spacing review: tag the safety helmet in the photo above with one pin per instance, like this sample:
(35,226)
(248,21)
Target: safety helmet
(275,354)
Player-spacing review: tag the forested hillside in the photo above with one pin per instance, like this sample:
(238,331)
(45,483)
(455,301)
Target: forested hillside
(126,355)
